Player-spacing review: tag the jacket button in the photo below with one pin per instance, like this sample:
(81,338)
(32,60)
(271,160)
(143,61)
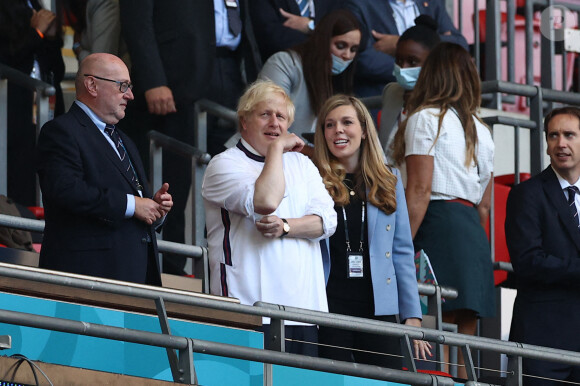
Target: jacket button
(144,240)
(388,281)
(388,227)
(388,254)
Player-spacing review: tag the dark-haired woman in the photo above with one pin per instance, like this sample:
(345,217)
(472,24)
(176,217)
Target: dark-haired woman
(412,50)
(317,69)
(448,153)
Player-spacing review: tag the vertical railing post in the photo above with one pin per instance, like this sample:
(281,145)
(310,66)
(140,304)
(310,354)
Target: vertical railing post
(537,134)
(493,48)
(514,371)
(434,306)
(4,136)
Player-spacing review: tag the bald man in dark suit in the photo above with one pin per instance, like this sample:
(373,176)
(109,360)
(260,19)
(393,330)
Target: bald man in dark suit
(100,214)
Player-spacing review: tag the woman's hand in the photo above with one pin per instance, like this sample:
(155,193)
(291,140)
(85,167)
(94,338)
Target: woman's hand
(422,348)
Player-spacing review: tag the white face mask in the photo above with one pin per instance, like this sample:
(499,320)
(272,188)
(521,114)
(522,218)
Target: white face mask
(339,65)
(406,77)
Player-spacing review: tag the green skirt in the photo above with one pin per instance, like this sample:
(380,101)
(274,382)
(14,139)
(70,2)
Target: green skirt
(457,246)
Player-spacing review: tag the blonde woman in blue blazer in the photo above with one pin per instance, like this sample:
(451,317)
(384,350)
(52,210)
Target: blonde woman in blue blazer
(369,262)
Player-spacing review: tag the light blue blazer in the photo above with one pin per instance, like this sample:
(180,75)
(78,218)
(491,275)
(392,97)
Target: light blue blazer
(392,259)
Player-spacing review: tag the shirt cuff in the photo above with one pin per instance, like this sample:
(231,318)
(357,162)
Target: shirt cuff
(130,211)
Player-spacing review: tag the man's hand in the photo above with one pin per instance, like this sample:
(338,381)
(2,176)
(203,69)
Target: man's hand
(147,210)
(164,199)
(160,100)
(297,22)
(385,43)
(270,226)
(290,142)
(43,20)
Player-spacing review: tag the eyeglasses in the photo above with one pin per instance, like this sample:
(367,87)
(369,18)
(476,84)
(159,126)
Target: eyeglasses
(123,86)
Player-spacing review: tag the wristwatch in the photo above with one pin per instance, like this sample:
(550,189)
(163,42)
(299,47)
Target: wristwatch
(285,228)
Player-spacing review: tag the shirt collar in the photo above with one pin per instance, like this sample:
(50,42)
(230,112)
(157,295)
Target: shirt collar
(563,183)
(249,151)
(96,120)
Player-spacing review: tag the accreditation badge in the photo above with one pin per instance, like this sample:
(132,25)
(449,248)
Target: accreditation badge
(355,265)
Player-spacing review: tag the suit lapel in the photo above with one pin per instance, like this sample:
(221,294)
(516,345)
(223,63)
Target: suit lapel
(555,195)
(100,142)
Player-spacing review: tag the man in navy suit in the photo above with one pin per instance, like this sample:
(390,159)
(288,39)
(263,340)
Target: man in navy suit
(99,211)
(182,51)
(382,23)
(280,24)
(543,239)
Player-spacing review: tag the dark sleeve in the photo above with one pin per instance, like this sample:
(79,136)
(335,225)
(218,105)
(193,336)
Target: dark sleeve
(65,171)
(372,65)
(139,33)
(270,32)
(446,25)
(536,259)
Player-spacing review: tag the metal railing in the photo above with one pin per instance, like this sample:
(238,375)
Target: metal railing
(43,92)
(192,251)
(199,159)
(185,371)
(550,47)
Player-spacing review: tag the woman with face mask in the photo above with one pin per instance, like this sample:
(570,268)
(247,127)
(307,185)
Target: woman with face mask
(317,69)
(413,47)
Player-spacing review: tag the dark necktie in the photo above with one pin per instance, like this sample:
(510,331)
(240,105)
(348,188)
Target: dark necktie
(234,20)
(125,161)
(573,190)
(304,6)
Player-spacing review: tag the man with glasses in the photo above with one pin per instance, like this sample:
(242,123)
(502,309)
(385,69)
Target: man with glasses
(99,211)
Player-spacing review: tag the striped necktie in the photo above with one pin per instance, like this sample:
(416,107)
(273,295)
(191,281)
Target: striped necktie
(304,6)
(124,157)
(572,191)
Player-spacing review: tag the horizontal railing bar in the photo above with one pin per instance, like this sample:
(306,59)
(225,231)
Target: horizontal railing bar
(214,348)
(510,121)
(178,147)
(24,80)
(217,110)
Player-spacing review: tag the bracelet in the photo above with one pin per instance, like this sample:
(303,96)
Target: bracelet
(39,32)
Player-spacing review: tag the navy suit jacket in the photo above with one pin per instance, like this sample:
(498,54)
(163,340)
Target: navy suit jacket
(85,197)
(544,245)
(374,68)
(172,43)
(271,34)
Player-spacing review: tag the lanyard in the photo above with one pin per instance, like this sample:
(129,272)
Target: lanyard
(362,228)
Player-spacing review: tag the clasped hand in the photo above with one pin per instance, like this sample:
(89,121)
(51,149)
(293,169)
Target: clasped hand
(270,226)
(150,210)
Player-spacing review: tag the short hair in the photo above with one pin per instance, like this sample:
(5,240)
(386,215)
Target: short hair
(261,91)
(566,110)
(423,32)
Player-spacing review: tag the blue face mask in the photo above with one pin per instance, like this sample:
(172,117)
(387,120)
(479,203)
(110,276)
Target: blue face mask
(406,77)
(339,65)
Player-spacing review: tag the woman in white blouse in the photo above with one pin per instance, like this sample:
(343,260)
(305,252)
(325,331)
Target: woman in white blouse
(448,153)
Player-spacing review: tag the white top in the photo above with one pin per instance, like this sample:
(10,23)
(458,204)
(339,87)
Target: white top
(243,263)
(451,179)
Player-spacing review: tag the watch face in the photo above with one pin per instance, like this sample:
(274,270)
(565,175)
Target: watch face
(286,227)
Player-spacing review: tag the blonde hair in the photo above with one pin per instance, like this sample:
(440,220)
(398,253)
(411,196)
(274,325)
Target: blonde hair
(377,177)
(448,80)
(261,91)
